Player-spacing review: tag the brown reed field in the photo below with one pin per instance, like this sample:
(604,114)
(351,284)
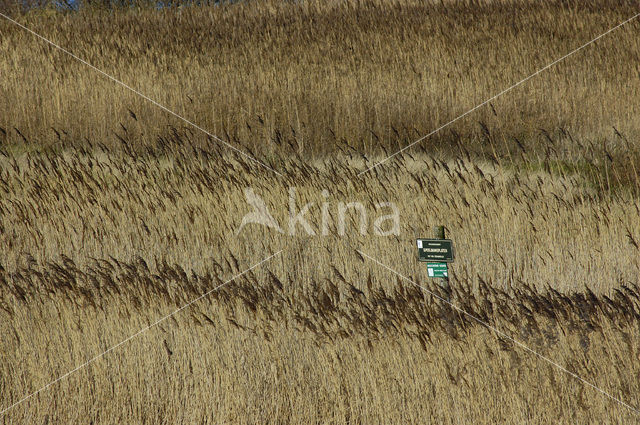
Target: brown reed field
(115,214)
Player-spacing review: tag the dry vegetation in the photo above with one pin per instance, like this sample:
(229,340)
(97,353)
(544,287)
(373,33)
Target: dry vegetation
(114,214)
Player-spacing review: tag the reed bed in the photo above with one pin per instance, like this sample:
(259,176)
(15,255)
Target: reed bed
(377,73)
(102,243)
(113,215)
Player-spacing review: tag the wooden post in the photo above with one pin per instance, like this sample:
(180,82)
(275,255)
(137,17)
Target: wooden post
(439,233)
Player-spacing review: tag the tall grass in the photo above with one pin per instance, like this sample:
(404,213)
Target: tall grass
(375,74)
(113,214)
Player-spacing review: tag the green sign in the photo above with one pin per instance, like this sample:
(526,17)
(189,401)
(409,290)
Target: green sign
(435,250)
(437,270)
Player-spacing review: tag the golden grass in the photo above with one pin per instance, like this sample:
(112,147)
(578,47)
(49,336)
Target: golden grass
(112,219)
(376,73)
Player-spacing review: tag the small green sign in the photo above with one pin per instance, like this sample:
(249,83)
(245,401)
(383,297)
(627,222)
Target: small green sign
(437,270)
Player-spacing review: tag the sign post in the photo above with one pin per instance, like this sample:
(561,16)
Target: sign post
(437,252)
